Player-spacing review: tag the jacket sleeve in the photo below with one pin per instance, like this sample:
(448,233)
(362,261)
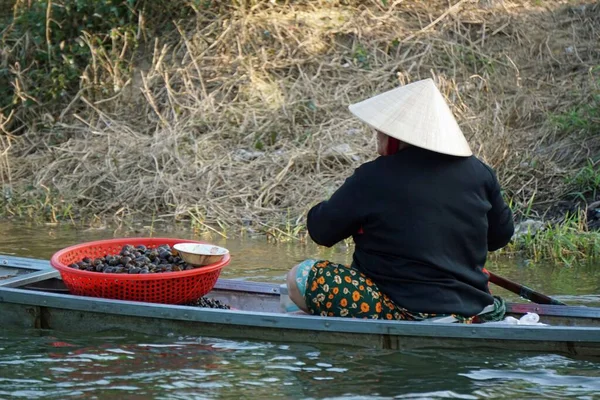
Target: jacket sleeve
(500,219)
(341,216)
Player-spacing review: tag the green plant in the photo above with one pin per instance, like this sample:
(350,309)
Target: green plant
(586,182)
(520,208)
(288,229)
(52,44)
(568,242)
(55,48)
(583,119)
(474,60)
(40,204)
(360,55)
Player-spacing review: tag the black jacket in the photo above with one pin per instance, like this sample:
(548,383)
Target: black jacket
(428,221)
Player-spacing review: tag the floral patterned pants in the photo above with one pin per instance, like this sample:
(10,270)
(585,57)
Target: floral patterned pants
(336,290)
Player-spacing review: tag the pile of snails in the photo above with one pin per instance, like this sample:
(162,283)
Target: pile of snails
(136,260)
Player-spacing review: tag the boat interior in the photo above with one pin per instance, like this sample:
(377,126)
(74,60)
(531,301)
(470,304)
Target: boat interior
(32,275)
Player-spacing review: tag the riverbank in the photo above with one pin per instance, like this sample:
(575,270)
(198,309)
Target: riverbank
(232,116)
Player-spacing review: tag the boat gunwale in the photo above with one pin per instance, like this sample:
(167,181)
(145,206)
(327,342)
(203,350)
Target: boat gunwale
(26,279)
(45,271)
(24,262)
(301,322)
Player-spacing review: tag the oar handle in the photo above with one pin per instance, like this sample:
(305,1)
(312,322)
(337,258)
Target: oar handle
(523,291)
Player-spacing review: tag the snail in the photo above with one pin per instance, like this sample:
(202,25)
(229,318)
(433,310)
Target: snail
(135,260)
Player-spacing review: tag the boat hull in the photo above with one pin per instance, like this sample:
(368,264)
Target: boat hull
(30,303)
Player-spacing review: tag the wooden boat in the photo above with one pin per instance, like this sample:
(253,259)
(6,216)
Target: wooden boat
(32,295)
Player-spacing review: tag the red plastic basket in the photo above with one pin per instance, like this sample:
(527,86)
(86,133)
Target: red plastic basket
(167,287)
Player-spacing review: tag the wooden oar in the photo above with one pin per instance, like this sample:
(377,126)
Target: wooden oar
(523,291)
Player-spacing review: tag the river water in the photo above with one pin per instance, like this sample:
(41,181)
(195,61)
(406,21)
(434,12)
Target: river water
(43,364)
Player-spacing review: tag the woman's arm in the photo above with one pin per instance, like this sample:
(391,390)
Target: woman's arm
(338,218)
(500,219)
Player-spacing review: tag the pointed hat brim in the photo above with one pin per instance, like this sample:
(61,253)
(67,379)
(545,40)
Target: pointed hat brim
(416,114)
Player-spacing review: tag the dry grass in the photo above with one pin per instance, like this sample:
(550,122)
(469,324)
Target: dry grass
(241,118)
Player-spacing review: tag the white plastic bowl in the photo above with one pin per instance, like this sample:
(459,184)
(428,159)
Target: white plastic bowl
(200,254)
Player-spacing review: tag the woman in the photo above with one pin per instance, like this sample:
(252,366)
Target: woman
(423,217)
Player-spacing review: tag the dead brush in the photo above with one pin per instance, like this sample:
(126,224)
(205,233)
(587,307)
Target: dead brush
(240,116)
(6,140)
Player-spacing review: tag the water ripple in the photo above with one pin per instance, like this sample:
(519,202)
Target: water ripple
(541,377)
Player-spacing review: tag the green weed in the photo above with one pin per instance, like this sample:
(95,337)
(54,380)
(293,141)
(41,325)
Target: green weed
(520,208)
(60,47)
(360,56)
(582,120)
(568,242)
(586,182)
(289,229)
(38,204)
(474,60)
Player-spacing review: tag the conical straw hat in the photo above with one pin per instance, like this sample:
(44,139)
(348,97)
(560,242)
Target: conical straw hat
(416,114)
